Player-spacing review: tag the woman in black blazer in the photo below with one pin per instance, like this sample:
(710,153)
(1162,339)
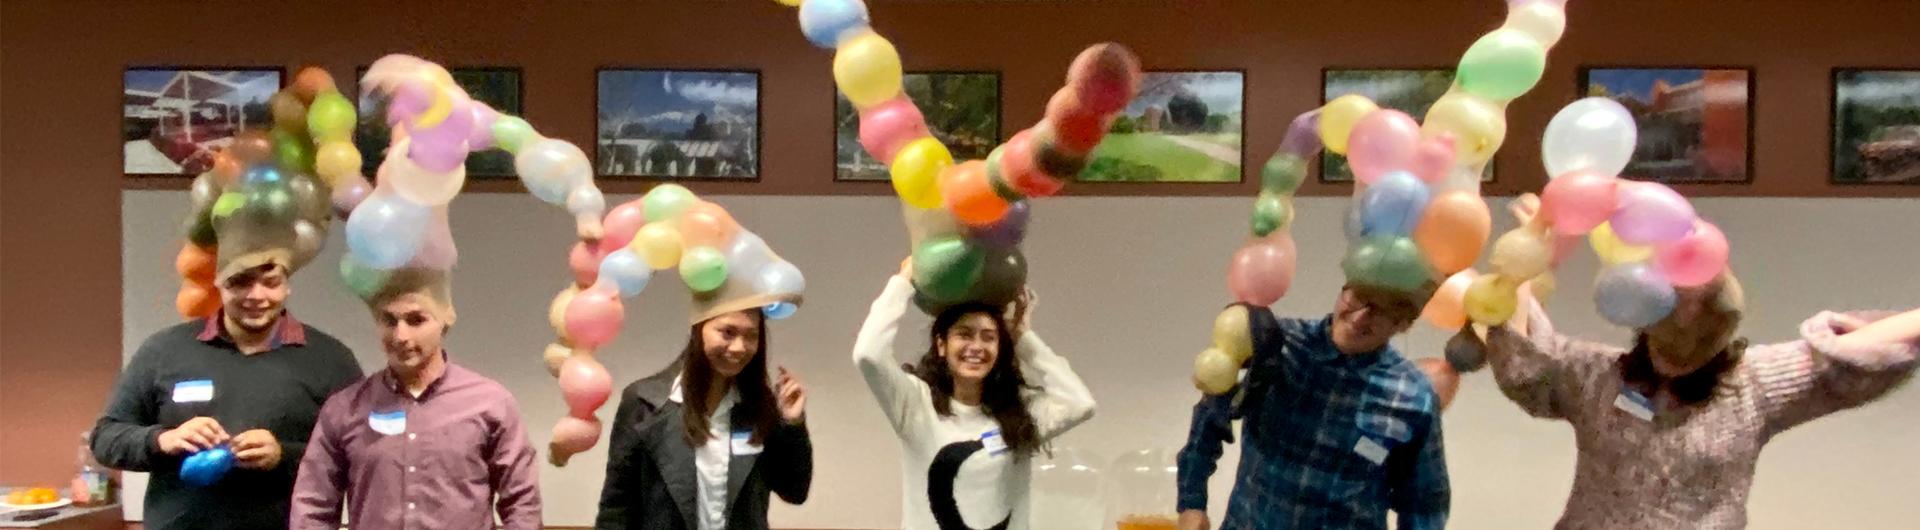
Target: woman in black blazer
(673,465)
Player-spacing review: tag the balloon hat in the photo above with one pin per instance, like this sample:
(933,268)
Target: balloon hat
(1417,217)
(966,220)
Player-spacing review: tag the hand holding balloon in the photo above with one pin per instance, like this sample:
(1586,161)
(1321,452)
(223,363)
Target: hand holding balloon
(206,467)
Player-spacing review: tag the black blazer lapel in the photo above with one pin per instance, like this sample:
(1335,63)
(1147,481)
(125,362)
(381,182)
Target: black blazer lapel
(740,466)
(665,437)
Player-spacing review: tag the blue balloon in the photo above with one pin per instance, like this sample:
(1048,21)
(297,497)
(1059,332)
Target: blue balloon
(1392,205)
(204,468)
(627,271)
(825,21)
(386,230)
(780,310)
(1633,295)
(262,174)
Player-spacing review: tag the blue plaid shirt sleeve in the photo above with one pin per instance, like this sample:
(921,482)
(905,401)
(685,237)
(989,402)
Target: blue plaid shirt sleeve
(1212,427)
(1421,494)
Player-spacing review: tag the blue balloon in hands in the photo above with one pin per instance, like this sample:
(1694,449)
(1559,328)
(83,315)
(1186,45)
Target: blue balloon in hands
(204,468)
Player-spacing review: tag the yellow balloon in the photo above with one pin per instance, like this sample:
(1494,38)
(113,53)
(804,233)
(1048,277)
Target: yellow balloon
(335,160)
(1478,126)
(1339,116)
(1612,250)
(1521,253)
(659,243)
(1231,334)
(555,356)
(1543,287)
(916,172)
(1492,299)
(557,312)
(789,3)
(1543,21)
(867,70)
(1214,372)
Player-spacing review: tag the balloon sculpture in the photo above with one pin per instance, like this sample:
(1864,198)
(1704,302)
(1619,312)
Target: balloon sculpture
(1647,235)
(966,219)
(1417,217)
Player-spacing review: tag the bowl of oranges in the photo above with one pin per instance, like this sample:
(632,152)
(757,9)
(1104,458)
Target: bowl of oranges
(34,499)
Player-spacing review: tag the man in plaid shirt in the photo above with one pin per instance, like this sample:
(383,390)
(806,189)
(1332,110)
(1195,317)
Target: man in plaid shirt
(1339,428)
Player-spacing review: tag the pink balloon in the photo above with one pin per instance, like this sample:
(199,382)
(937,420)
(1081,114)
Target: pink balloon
(1262,271)
(574,435)
(1382,142)
(348,193)
(621,224)
(481,137)
(1577,202)
(1651,214)
(1433,160)
(586,385)
(886,128)
(585,263)
(1563,246)
(409,100)
(594,317)
(1695,259)
(437,250)
(437,155)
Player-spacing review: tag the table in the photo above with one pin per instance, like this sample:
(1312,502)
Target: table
(73,518)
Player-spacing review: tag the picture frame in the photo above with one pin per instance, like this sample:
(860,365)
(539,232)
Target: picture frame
(1875,126)
(677,124)
(174,118)
(500,87)
(1695,122)
(963,109)
(1203,141)
(1412,90)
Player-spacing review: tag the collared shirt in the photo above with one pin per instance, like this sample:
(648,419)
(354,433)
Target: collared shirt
(288,331)
(711,460)
(433,461)
(190,370)
(1330,440)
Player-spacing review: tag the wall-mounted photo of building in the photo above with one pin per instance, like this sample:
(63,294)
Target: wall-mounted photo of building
(1695,124)
(173,120)
(679,124)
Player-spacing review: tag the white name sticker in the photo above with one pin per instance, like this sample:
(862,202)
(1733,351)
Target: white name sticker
(196,391)
(743,444)
(388,423)
(995,445)
(1370,450)
(1634,403)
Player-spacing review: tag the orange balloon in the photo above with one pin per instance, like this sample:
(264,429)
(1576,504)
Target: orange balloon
(195,263)
(226,167)
(251,147)
(706,224)
(196,300)
(1447,310)
(969,194)
(1453,231)
(310,82)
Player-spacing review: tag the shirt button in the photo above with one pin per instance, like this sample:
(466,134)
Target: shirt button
(411,436)
(409,505)
(409,469)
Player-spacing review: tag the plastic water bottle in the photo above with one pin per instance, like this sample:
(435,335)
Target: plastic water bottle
(93,484)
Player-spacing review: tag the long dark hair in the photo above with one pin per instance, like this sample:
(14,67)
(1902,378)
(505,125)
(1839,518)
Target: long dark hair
(1000,393)
(1636,367)
(756,407)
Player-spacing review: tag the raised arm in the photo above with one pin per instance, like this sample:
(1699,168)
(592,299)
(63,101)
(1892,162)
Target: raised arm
(1841,361)
(1545,373)
(898,392)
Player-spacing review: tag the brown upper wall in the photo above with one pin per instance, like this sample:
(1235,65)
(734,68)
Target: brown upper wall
(63,60)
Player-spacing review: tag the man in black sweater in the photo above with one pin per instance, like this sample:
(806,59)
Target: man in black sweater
(250,377)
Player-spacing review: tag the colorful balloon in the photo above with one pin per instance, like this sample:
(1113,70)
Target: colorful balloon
(1695,259)
(1502,65)
(1262,270)
(945,268)
(1020,167)
(572,436)
(1387,261)
(1453,230)
(1594,134)
(557,314)
(1340,116)
(1633,295)
(584,261)
(1232,333)
(1491,299)
(707,224)
(659,243)
(1612,250)
(1283,174)
(968,193)
(1381,142)
(511,133)
(867,70)
(1477,125)
(1577,202)
(1447,309)
(196,300)
(331,118)
(551,168)
(888,127)
(620,224)
(594,317)
(585,384)
(748,253)
(826,22)
(360,279)
(1002,277)
(1434,159)
(1214,372)
(703,268)
(417,183)
(1521,253)
(1104,78)
(916,170)
(1271,211)
(1651,213)
(667,201)
(779,277)
(1543,20)
(386,230)
(780,310)
(627,270)
(1008,232)
(1393,205)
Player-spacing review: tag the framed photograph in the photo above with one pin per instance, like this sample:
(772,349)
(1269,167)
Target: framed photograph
(1182,127)
(497,87)
(1409,90)
(172,119)
(962,110)
(1696,124)
(678,124)
(1876,126)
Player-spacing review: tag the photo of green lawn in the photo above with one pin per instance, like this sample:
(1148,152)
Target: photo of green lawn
(1182,127)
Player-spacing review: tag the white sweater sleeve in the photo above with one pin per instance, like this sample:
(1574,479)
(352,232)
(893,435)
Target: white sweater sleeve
(902,396)
(1063,401)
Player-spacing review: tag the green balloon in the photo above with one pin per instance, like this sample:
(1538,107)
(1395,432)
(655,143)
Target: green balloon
(1269,213)
(946,268)
(511,132)
(1283,174)
(228,203)
(200,230)
(294,152)
(1502,65)
(1387,261)
(331,117)
(703,268)
(362,280)
(271,202)
(666,201)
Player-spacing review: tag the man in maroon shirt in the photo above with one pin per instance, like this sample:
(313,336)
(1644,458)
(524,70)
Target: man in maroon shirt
(424,443)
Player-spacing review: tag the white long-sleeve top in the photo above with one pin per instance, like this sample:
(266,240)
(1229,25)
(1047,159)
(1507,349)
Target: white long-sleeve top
(956,466)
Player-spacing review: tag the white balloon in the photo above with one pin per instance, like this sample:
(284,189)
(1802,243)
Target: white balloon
(586,200)
(551,168)
(1544,21)
(1593,134)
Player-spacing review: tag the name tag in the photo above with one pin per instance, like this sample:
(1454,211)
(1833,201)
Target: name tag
(388,423)
(1371,450)
(743,444)
(995,445)
(196,391)
(1634,403)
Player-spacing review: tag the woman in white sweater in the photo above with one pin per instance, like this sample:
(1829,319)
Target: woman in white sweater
(969,419)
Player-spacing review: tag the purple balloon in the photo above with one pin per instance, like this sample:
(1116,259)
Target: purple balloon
(1008,232)
(1633,295)
(348,195)
(411,99)
(1393,205)
(437,156)
(454,130)
(1303,136)
(1651,214)
(481,137)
